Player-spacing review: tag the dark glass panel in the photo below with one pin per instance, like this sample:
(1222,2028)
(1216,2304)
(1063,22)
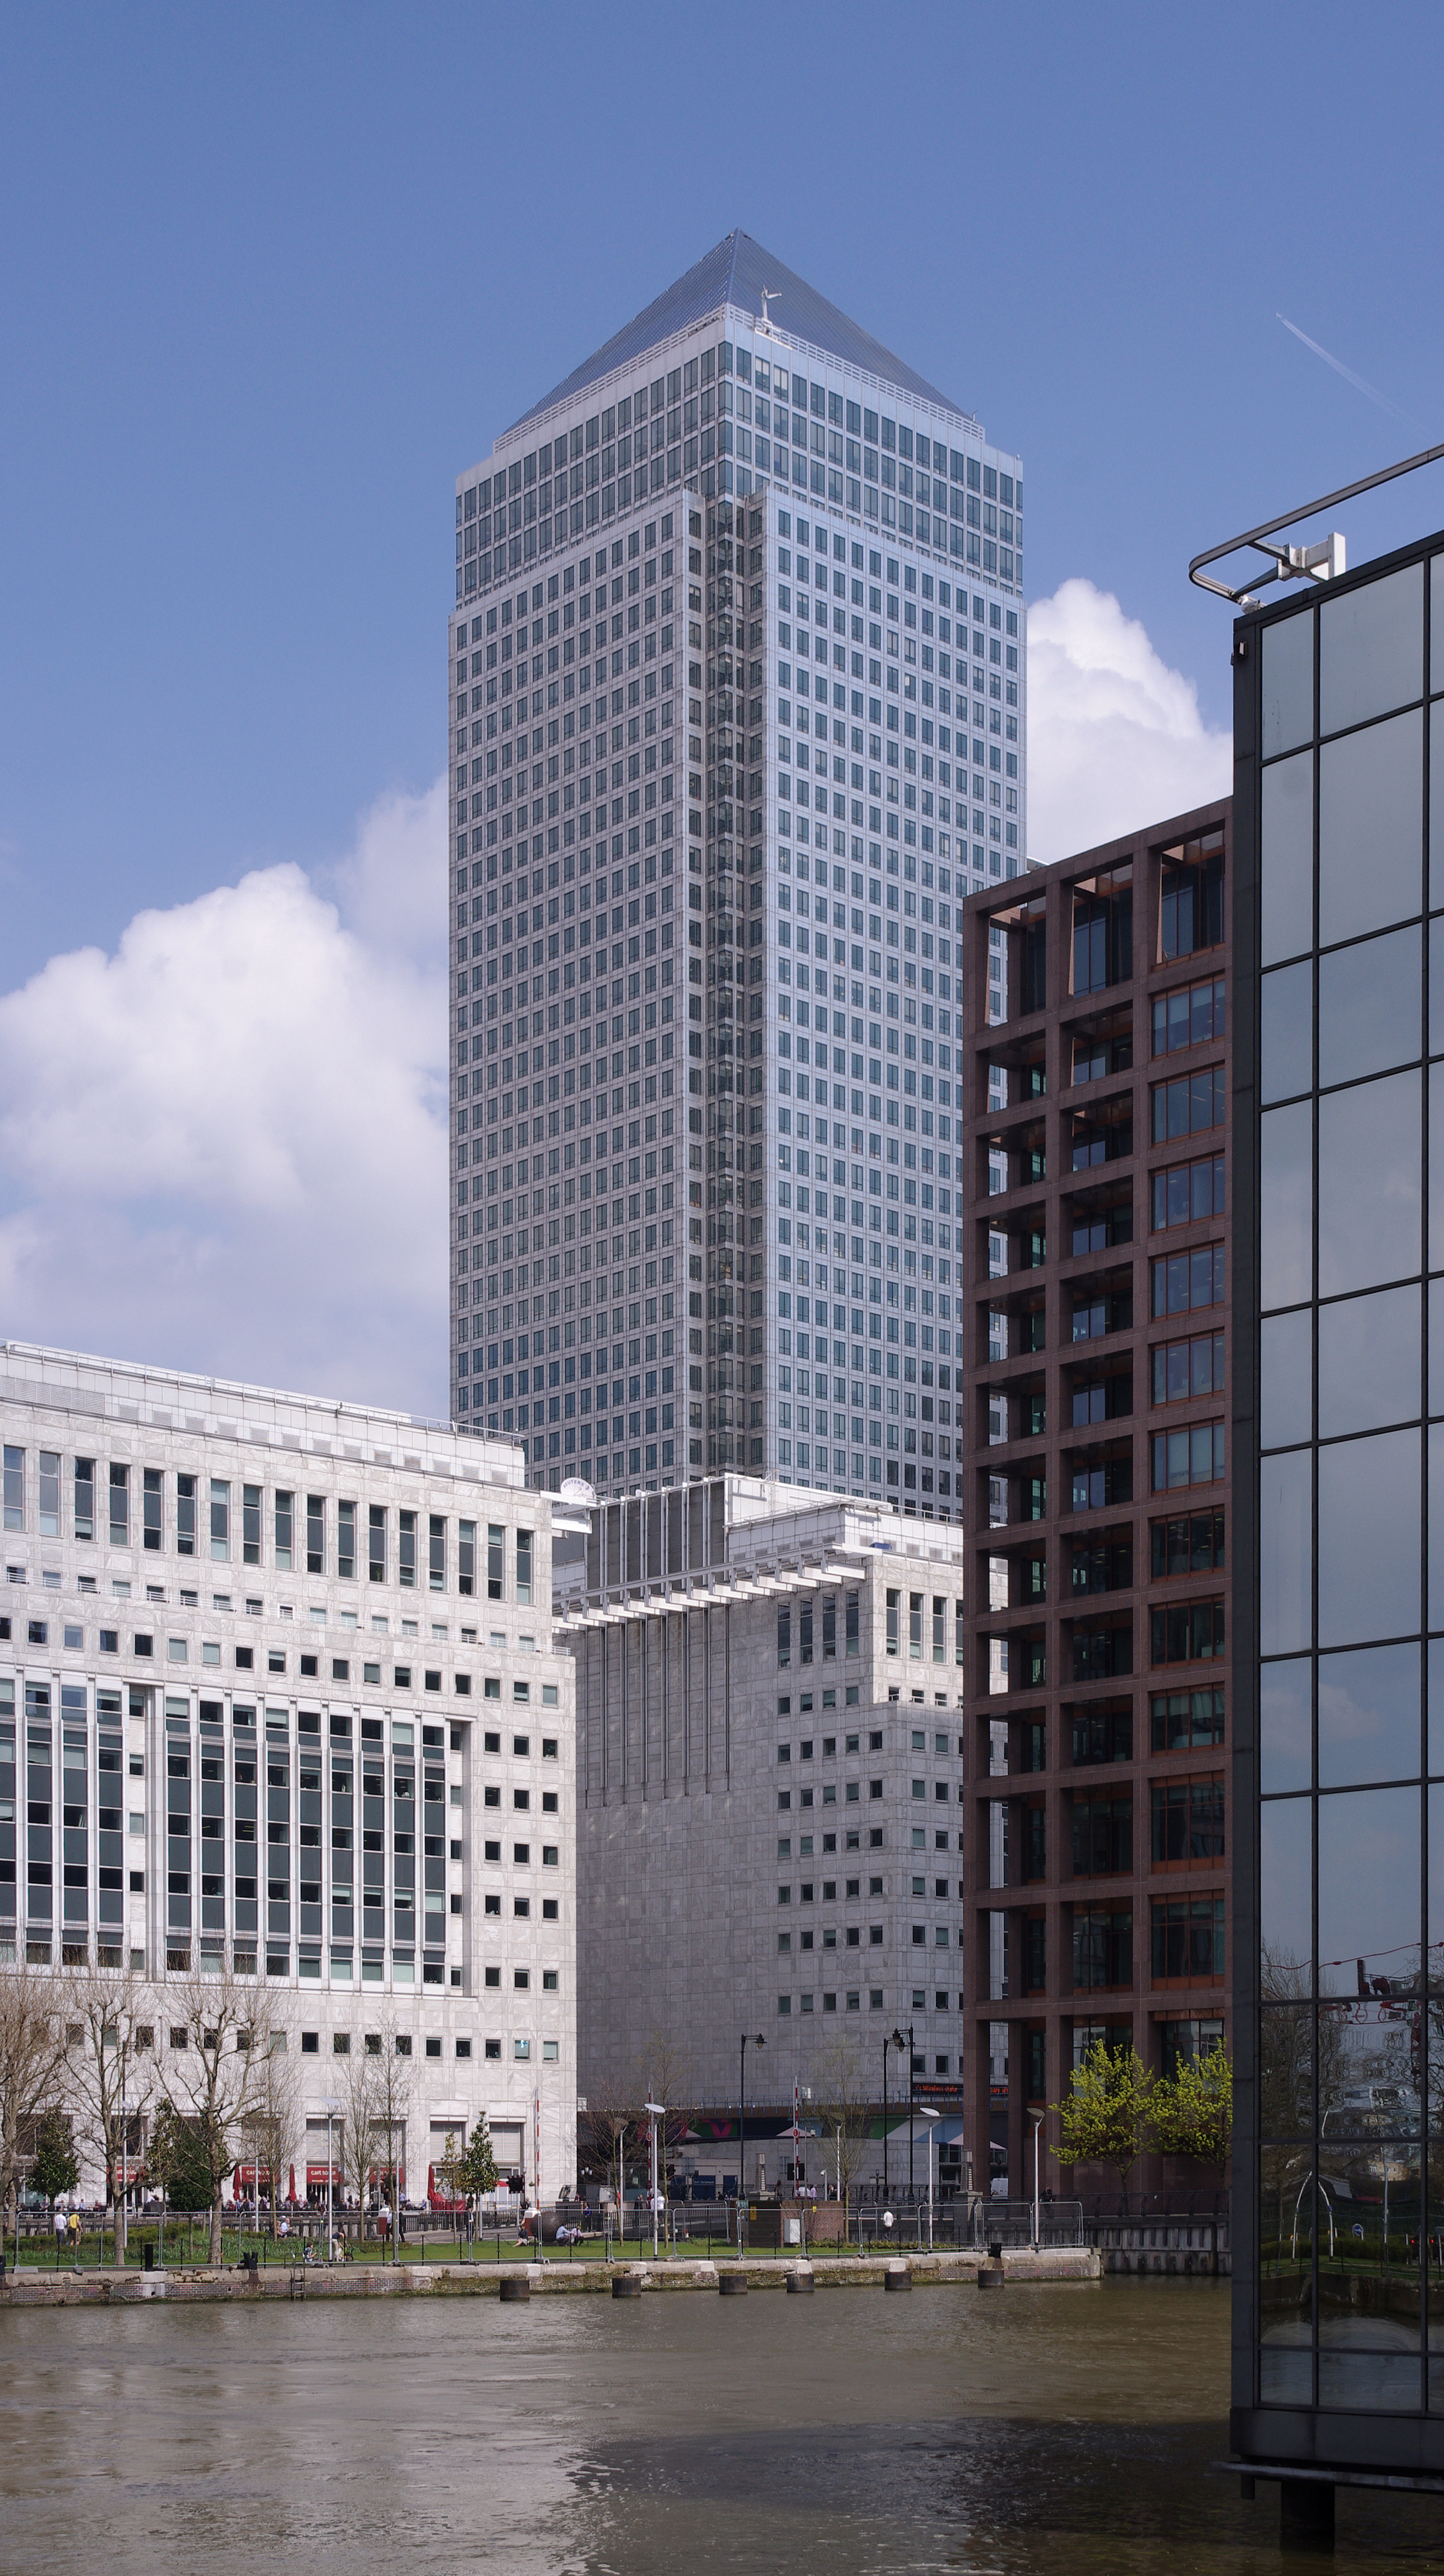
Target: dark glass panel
(1286,1941)
(1286,1204)
(1369,1893)
(1287,858)
(1369,1539)
(1370,1361)
(1370,1006)
(1369,1716)
(1287,664)
(1285,1727)
(1369,1216)
(1371,649)
(1285,1551)
(1286,1393)
(1286,1031)
(1371,816)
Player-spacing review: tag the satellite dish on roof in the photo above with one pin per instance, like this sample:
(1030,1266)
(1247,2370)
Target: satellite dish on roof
(575,1489)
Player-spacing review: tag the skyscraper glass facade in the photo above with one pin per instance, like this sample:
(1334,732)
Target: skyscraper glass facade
(738,716)
(1339,1684)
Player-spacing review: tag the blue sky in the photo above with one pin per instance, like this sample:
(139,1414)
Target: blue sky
(271,278)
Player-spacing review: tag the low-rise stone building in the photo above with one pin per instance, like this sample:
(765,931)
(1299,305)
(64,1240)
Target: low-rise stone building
(769,1791)
(279,1701)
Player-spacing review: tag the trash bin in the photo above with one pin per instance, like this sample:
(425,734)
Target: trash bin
(147,2257)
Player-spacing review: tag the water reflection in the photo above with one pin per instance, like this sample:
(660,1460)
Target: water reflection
(1052,2428)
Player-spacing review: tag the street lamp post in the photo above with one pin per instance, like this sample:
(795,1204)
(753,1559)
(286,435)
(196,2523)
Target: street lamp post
(1038,2119)
(655,2111)
(331,2110)
(901,2040)
(926,2112)
(758,2042)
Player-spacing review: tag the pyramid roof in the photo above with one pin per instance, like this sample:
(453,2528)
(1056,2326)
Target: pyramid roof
(734,273)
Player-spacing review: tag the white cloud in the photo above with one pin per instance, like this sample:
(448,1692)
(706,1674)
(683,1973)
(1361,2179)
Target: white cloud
(224,1147)
(1115,738)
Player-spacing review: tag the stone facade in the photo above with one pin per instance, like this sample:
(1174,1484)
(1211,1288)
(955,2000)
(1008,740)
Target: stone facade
(769,1786)
(238,1623)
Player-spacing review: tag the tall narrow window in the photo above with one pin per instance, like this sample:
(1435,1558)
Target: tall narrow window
(185,1515)
(829,1625)
(406,1551)
(285,1523)
(466,1557)
(120,1506)
(959,1634)
(494,1542)
(784,1636)
(85,1498)
(894,1601)
(315,1533)
(1190,908)
(437,1565)
(346,1541)
(940,1631)
(250,1524)
(220,1519)
(853,1605)
(376,1551)
(523,1567)
(14,1489)
(152,1503)
(804,1632)
(915,1626)
(49,1494)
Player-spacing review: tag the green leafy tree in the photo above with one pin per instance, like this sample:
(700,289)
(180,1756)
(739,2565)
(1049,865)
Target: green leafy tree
(55,2167)
(1192,2110)
(211,2079)
(476,2170)
(1106,2116)
(176,2159)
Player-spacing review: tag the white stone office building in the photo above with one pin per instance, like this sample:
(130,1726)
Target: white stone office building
(278,1691)
(738,715)
(770,1791)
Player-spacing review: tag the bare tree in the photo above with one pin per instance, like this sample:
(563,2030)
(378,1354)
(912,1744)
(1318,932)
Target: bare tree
(32,2050)
(394,2089)
(840,2098)
(271,2123)
(208,2069)
(605,2126)
(110,2064)
(665,2074)
(357,2090)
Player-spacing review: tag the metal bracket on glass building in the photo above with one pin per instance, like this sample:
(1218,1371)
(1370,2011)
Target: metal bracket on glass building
(1297,563)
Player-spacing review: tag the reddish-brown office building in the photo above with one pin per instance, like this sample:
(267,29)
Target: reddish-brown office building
(1090,1457)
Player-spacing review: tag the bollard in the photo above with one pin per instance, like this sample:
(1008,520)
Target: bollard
(732,2285)
(898,2276)
(515,2287)
(626,2285)
(800,2281)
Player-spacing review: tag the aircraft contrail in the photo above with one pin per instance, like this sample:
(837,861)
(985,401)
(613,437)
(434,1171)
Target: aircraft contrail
(1349,376)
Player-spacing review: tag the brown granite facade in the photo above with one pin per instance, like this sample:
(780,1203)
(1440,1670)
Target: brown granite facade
(1091,1457)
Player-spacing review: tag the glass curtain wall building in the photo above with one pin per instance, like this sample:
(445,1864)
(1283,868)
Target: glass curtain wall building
(737,707)
(1339,1747)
